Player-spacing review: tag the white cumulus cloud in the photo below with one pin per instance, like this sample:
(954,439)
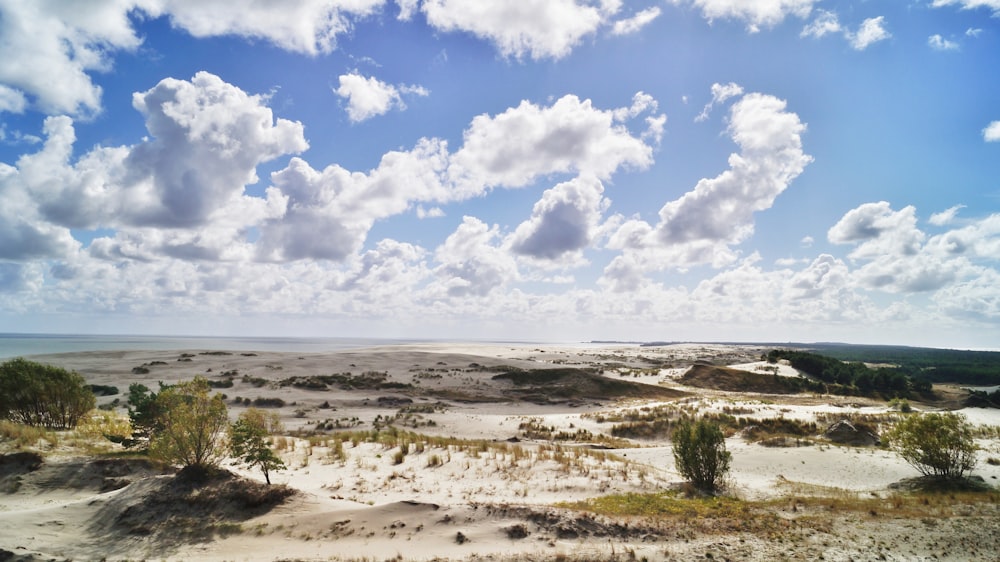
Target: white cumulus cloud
(946,216)
(570,136)
(472,262)
(370,97)
(11,100)
(939,43)
(636,22)
(330,212)
(563,222)
(898,257)
(702,226)
(991,133)
(871,31)
(181,192)
(304,26)
(537,28)
(50,49)
(970,4)
(720,94)
(825,22)
(756,13)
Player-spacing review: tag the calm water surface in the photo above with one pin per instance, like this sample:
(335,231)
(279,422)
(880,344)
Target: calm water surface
(23,345)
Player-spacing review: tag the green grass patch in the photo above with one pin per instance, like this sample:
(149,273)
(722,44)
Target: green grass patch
(663,505)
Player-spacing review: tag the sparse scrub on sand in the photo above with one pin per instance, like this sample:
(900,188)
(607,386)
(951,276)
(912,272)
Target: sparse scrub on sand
(398,457)
(780,427)
(660,422)
(261,402)
(534,429)
(101,427)
(256,382)
(872,422)
(24,436)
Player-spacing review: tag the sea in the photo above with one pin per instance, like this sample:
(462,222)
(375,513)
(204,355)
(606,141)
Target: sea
(25,345)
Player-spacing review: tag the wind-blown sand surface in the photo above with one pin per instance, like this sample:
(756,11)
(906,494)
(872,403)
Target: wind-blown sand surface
(483,475)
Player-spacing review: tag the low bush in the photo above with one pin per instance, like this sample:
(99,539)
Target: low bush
(268,402)
(938,445)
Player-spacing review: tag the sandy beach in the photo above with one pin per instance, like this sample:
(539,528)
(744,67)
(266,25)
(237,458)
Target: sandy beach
(491,469)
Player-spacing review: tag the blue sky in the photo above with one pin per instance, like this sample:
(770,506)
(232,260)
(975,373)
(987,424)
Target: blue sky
(715,170)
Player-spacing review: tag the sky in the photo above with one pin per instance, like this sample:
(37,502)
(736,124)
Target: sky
(539,170)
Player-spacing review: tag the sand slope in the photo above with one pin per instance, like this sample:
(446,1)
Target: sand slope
(488,454)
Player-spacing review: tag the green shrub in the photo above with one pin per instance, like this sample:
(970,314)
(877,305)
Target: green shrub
(267,402)
(103,389)
(938,445)
(700,454)
(43,395)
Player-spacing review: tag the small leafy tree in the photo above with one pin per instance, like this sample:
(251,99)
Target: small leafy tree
(938,445)
(43,395)
(145,414)
(192,426)
(700,453)
(250,440)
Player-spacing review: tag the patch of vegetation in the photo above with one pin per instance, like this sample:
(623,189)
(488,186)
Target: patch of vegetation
(659,422)
(25,435)
(542,385)
(769,428)
(43,395)
(340,423)
(940,446)
(736,380)
(983,399)
(103,390)
(144,368)
(700,454)
(853,378)
(250,441)
(714,515)
(813,509)
(368,380)
(191,426)
(268,402)
(256,382)
(196,505)
(533,428)
(929,364)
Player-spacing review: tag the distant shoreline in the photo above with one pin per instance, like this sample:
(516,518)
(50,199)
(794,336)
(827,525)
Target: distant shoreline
(29,344)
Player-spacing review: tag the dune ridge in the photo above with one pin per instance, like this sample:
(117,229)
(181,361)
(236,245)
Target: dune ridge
(505,450)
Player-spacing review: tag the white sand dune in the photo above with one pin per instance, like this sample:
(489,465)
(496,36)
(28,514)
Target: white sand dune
(452,501)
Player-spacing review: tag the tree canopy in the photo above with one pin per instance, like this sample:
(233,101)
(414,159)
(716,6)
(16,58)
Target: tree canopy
(44,395)
(939,445)
(851,378)
(191,425)
(250,440)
